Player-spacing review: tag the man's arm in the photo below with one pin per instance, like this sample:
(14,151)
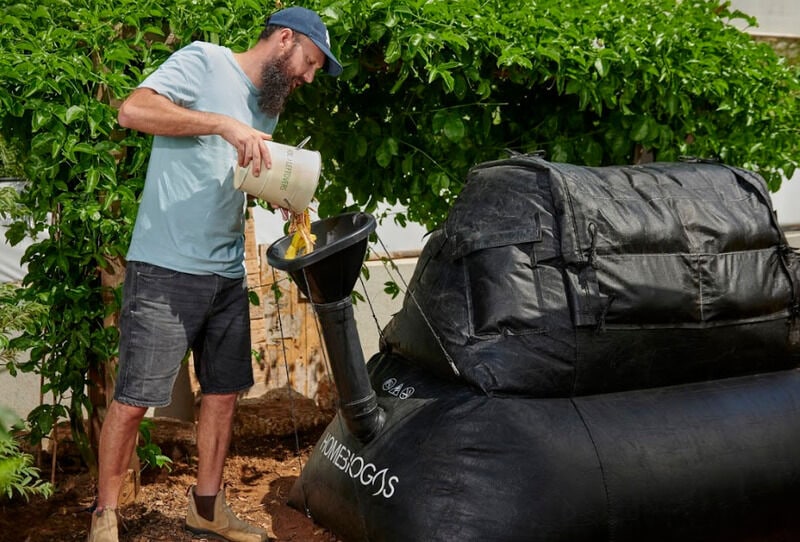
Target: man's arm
(147,111)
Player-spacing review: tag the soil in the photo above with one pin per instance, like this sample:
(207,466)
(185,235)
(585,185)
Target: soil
(273,437)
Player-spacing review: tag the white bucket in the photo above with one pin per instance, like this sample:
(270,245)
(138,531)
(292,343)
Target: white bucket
(289,183)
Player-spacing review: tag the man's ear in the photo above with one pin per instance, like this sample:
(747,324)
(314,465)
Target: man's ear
(286,38)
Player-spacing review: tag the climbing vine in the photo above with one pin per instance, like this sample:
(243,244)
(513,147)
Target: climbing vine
(430,88)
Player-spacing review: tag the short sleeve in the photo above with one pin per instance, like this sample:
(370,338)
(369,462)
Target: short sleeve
(180,77)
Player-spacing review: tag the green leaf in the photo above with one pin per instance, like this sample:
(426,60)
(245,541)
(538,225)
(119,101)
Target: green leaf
(640,129)
(391,288)
(74,112)
(386,151)
(454,128)
(44,420)
(87,148)
(591,152)
(392,52)
(92,179)
(560,152)
(40,118)
(600,67)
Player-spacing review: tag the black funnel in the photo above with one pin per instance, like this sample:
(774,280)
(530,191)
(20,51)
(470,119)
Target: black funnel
(327,276)
(329,272)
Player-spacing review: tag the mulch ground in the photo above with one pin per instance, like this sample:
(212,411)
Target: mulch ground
(273,437)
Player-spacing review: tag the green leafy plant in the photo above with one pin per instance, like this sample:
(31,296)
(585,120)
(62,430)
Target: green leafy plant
(391,288)
(16,471)
(149,452)
(18,475)
(429,89)
(65,67)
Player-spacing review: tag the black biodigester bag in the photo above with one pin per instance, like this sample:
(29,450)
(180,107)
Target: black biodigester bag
(583,354)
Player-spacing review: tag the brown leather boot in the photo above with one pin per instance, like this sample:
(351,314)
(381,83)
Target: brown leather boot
(225,526)
(104,526)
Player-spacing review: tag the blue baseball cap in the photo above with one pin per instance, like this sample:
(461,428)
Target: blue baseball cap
(309,24)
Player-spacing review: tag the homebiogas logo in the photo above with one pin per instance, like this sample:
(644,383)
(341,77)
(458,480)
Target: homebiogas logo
(357,468)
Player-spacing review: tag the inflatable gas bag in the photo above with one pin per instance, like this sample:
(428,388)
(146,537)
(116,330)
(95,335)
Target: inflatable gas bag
(582,354)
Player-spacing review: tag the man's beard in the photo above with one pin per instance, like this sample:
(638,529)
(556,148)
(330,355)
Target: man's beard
(276,85)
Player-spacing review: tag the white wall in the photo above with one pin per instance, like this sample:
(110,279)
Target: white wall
(20,393)
(377,309)
(10,268)
(775,17)
(786,201)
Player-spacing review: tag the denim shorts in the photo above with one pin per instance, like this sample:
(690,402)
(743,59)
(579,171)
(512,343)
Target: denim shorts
(166,313)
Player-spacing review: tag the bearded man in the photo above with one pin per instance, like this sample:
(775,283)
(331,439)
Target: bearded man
(185,286)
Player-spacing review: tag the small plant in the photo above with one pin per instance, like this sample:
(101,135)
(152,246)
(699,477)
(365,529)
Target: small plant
(17,473)
(18,476)
(149,452)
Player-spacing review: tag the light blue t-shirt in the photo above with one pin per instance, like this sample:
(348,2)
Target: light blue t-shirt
(191,218)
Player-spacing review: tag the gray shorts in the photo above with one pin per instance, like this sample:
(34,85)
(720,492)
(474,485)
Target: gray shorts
(164,314)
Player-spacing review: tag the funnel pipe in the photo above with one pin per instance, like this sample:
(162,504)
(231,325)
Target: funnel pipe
(327,276)
(358,402)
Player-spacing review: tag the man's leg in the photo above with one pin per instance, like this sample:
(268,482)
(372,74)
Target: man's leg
(153,340)
(223,368)
(117,442)
(208,511)
(222,362)
(213,438)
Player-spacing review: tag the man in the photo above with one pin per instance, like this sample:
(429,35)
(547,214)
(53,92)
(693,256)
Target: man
(185,286)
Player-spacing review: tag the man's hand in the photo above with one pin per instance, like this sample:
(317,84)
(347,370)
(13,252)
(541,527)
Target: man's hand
(249,144)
